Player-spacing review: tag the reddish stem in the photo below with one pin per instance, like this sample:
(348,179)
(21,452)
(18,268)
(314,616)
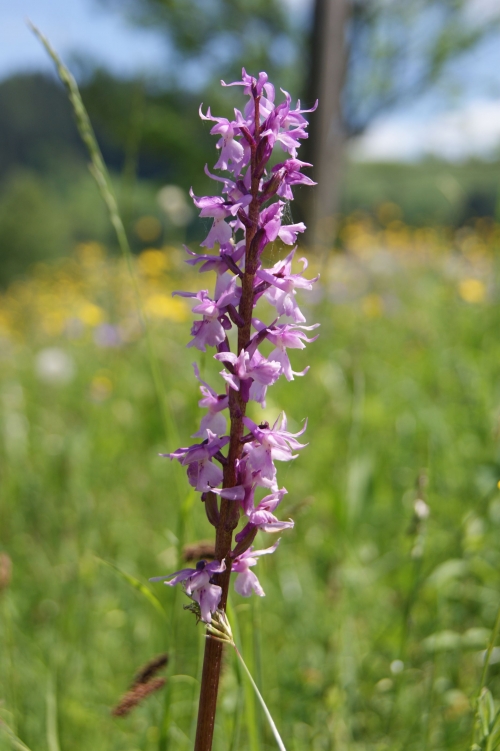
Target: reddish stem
(229,511)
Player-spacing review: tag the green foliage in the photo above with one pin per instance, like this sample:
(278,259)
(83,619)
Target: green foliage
(36,127)
(398,50)
(431,192)
(375,624)
(210,39)
(30,228)
(48,202)
(488,723)
(394,51)
(162,126)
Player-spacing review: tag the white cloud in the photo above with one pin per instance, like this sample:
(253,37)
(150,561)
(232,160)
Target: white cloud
(481,11)
(473,130)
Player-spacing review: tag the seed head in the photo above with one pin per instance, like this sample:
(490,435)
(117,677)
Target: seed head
(5,571)
(138,693)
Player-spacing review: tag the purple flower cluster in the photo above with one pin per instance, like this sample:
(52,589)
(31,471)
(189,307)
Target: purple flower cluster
(247,216)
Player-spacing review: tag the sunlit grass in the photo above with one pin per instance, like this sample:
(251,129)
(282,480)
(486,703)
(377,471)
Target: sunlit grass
(375,622)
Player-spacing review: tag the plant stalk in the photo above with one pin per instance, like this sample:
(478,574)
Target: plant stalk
(229,511)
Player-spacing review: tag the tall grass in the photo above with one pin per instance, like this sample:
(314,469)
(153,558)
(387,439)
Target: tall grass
(404,381)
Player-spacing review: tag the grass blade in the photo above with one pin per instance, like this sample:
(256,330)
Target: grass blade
(263,704)
(250,708)
(489,650)
(220,629)
(52,733)
(139,586)
(15,742)
(100,173)
(166,722)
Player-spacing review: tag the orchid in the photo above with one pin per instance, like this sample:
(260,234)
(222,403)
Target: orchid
(213,421)
(249,214)
(283,285)
(247,217)
(246,581)
(270,445)
(250,374)
(287,335)
(261,517)
(291,175)
(202,473)
(197,584)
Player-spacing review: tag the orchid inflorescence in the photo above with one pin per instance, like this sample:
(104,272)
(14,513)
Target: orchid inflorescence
(248,216)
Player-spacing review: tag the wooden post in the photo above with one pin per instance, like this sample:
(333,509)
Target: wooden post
(327,136)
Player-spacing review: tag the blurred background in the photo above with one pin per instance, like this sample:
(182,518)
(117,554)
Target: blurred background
(410,111)
(381,602)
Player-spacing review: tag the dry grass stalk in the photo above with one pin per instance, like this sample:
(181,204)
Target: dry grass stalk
(142,686)
(204,549)
(136,694)
(150,669)
(5,571)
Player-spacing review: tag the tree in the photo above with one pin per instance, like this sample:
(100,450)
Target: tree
(209,38)
(36,124)
(366,57)
(358,57)
(327,133)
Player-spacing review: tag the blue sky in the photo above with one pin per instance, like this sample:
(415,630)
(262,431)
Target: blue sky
(75,26)
(453,125)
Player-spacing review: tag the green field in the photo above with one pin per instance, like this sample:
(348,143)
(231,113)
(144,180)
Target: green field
(373,631)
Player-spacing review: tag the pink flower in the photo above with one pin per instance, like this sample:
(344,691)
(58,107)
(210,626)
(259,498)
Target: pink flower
(210,331)
(277,127)
(283,286)
(271,444)
(213,421)
(286,335)
(225,264)
(270,221)
(247,215)
(246,581)
(202,474)
(248,481)
(197,585)
(219,209)
(230,149)
(262,517)
(253,84)
(247,368)
(290,174)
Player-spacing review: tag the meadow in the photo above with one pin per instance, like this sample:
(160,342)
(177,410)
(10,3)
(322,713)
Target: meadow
(381,603)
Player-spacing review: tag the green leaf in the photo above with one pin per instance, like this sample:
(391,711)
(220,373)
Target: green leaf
(14,740)
(263,704)
(52,734)
(486,711)
(494,736)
